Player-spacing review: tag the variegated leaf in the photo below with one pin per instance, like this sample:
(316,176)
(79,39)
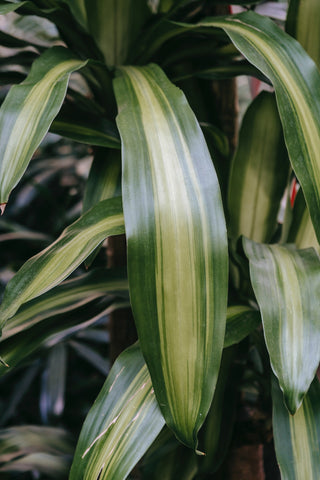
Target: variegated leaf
(296,80)
(27,112)
(123,422)
(259,172)
(297,437)
(177,248)
(286,283)
(49,267)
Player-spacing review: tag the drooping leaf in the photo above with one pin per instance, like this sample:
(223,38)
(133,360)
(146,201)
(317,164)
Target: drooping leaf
(297,437)
(84,127)
(68,296)
(177,257)
(302,24)
(286,283)
(259,172)
(28,110)
(241,321)
(52,396)
(48,268)
(296,80)
(123,422)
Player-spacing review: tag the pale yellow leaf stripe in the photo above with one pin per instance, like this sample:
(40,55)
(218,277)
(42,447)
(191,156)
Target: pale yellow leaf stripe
(174,226)
(27,122)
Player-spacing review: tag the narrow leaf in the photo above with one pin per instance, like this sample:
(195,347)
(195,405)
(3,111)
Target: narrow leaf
(70,295)
(49,267)
(296,80)
(297,437)
(28,110)
(177,248)
(259,172)
(303,25)
(123,422)
(286,283)
(301,231)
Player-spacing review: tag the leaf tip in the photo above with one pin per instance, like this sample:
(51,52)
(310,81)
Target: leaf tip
(2,208)
(3,362)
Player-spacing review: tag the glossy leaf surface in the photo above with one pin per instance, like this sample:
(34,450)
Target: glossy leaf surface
(286,283)
(123,422)
(177,249)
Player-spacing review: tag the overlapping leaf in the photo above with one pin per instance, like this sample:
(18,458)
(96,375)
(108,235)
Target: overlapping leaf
(297,437)
(123,422)
(177,249)
(48,268)
(27,112)
(286,283)
(296,80)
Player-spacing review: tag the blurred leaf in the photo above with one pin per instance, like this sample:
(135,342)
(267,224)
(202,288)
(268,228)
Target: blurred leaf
(123,422)
(297,437)
(286,283)
(28,110)
(259,172)
(176,231)
(53,383)
(302,24)
(49,267)
(29,448)
(89,354)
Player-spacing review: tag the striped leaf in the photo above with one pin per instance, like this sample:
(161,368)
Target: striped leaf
(286,283)
(114,28)
(28,110)
(123,422)
(69,295)
(302,23)
(296,80)
(241,321)
(301,229)
(297,437)
(259,172)
(53,329)
(177,248)
(49,267)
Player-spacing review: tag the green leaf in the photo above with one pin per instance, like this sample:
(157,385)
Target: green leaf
(52,329)
(104,179)
(81,126)
(114,27)
(123,422)
(69,295)
(297,437)
(177,248)
(259,172)
(78,9)
(241,321)
(301,229)
(296,80)
(303,25)
(286,283)
(27,112)
(49,267)
(10,7)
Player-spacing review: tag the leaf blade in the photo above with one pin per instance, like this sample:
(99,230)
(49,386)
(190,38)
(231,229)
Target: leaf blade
(176,236)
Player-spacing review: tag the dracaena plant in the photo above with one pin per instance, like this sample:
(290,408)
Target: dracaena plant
(214,272)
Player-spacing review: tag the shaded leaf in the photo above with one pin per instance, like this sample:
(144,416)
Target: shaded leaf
(241,321)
